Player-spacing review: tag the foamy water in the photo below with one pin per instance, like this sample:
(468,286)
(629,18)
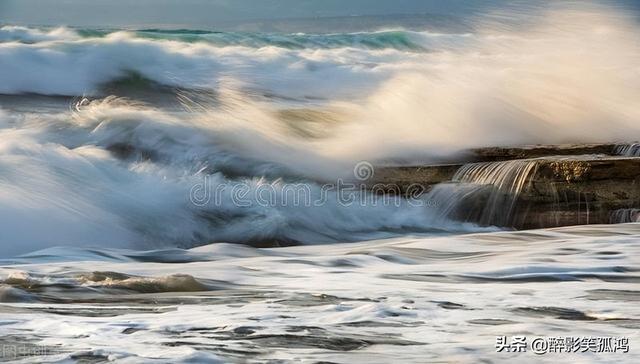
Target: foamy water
(122,153)
(409,299)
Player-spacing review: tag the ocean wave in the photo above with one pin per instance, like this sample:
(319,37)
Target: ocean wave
(81,66)
(561,52)
(403,40)
(119,173)
(399,39)
(58,174)
(14,33)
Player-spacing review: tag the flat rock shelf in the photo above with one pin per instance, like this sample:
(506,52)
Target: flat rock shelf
(527,187)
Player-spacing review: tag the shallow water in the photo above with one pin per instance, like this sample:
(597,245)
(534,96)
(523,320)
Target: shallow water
(410,299)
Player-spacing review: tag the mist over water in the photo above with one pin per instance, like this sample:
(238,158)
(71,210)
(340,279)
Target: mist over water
(271,109)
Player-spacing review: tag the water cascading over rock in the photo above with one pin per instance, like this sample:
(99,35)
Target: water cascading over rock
(485,193)
(536,192)
(628,150)
(622,216)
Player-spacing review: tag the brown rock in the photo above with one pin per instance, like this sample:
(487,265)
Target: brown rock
(560,191)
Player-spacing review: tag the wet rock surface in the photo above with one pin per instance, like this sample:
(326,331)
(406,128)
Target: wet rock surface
(519,188)
(490,154)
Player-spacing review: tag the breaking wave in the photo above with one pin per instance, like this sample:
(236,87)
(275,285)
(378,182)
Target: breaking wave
(269,110)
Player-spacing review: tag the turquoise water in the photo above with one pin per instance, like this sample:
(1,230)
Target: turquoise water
(383,39)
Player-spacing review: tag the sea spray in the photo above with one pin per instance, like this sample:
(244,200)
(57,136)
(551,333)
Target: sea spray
(114,173)
(567,74)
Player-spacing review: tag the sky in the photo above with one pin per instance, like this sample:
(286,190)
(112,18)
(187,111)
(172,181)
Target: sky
(212,14)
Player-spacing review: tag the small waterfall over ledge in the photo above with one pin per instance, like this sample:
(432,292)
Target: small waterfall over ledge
(627,150)
(622,216)
(486,193)
(503,183)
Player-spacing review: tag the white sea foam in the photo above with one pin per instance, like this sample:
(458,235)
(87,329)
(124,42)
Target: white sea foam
(12,33)
(81,66)
(411,298)
(568,75)
(61,187)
